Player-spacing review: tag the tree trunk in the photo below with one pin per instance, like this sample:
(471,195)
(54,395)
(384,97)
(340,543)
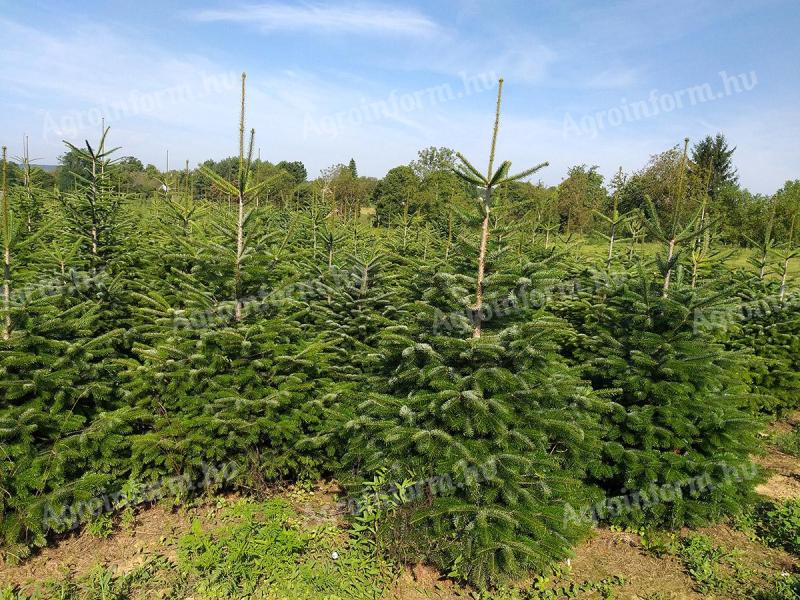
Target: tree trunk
(611,246)
(6,250)
(481,267)
(237,284)
(6,289)
(449,232)
(669,271)
(783,279)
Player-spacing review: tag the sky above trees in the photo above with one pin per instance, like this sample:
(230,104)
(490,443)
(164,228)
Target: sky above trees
(588,85)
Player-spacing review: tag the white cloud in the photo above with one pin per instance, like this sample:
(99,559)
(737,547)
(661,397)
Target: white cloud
(521,59)
(89,66)
(328,18)
(81,75)
(613,78)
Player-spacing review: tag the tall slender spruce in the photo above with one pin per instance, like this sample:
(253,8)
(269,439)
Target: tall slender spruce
(675,234)
(615,220)
(243,191)
(240,214)
(764,246)
(93,208)
(786,253)
(27,185)
(487,184)
(676,215)
(6,251)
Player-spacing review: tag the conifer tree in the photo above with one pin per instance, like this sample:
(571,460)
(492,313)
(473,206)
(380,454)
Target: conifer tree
(636,228)
(713,156)
(785,254)
(30,197)
(615,220)
(244,191)
(763,246)
(6,250)
(92,208)
(59,419)
(681,413)
(772,335)
(493,426)
(673,234)
(486,184)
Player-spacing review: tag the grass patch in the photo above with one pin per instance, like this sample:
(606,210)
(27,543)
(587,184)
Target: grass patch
(777,524)
(789,443)
(258,550)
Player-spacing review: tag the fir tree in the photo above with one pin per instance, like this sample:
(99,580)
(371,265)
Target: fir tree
(499,416)
(615,220)
(92,208)
(760,260)
(486,184)
(713,157)
(682,407)
(243,190)
(6,216)
(673,233)
(785,254)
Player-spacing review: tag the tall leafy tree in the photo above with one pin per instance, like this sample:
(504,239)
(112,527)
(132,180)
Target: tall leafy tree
(713,157)
(786,202)
(580,196)
(432,160)
(71,163)
(296,168)
(394,194)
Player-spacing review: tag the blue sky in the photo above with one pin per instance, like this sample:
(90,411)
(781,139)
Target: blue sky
(601,83)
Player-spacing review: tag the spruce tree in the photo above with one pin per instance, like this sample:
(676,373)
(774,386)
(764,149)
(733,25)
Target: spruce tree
(713,157)
(785,254)
(615,220)
(485,185)
(493,413)
(6,216)
(244,191)
(681,410)
(763,246)
(92,208)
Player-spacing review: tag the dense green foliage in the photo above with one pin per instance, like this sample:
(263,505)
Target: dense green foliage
(466,352)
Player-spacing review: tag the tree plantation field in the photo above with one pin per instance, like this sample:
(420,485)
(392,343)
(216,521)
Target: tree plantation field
(734,258)
(232,382)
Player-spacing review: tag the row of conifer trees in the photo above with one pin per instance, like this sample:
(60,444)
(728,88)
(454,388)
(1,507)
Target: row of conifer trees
(147,339)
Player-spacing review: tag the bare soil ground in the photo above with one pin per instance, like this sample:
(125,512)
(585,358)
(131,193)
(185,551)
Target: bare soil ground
(154,532)
(784,483)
